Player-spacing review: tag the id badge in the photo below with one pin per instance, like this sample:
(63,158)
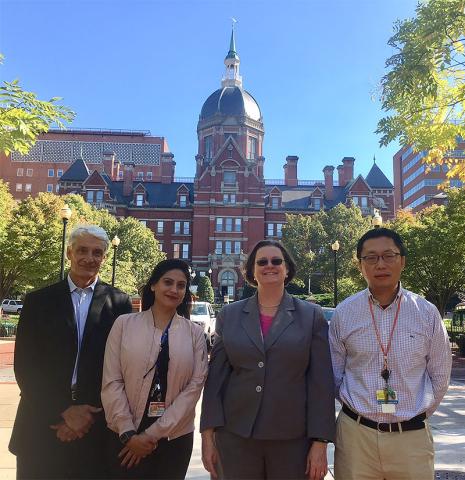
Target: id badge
(156,409)
(388,405)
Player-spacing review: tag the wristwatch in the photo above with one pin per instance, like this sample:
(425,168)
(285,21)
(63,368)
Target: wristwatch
(126,436)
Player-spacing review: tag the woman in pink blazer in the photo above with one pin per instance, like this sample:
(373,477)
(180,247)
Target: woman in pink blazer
(154,370)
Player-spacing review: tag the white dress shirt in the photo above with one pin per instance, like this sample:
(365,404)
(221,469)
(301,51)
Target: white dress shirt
(420,357)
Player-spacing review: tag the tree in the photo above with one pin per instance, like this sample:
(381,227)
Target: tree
(315,234)
(23,116)
(435,242)
(6,208)
(424,86)
(205,290)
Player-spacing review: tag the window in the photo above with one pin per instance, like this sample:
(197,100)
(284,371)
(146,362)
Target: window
(219,247)
(208,148)
(229,198)
(140,175)
(274,202)
(99,196)
(186,228)
(19,172)
(49,187)
(251,148)
(317,203)
(237,247)
(270,229)
(279,230)
(149,175)
(120,174)
(144,222)
(177,227)
(364,202)
(90,196)
(355,200)
(185,250)
(159,227)
(27,187)
(19,187)
(57,188)
(51,172)
(59,172)
(183,201)
(176,250)
(160,246)
(29,172)
(228,247)
(229,224)
(139,200)
(219,224)
(229,177)
(238,225)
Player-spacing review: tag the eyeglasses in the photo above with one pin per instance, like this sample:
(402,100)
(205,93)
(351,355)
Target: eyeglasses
(374,259)
(265,261)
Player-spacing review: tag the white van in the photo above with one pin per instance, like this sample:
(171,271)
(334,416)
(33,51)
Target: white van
(203,314)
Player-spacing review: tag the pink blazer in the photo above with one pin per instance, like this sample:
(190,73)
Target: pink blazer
(131,351)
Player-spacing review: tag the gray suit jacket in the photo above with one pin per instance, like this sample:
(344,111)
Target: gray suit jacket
(279,387)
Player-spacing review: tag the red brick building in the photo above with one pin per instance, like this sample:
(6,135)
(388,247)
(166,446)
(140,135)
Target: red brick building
(416,184)
(210,220)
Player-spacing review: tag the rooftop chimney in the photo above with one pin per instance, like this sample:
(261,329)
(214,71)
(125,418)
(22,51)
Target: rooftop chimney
(128,174)
(329,183)
(340,175)
(348,164)
(290,171)
(167,167)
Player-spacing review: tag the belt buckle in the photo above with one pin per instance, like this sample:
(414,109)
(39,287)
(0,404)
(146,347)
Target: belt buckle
(383,431)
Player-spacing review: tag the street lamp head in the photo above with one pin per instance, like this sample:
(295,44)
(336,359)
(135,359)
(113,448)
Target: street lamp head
(377,219)
(65,212)
(335,246)
(210,271)
(116,241)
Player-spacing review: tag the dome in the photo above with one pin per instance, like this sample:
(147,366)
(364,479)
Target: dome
(231,101)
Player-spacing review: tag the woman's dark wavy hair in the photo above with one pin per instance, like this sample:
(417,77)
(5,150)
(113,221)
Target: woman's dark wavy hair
(148,296)
(250,263)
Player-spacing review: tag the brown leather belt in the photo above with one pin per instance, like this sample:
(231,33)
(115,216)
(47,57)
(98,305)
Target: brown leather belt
(415,423)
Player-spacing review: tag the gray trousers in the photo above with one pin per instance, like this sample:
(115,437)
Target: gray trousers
(251,459)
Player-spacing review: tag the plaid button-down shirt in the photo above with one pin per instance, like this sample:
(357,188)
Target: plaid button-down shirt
(420,358)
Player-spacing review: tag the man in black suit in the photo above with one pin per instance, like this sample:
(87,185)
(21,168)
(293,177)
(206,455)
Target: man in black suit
(60,343)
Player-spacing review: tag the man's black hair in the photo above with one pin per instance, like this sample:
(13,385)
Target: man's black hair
(382,232)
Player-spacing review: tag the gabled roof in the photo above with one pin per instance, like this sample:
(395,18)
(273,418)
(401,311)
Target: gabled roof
(77,172)
(377,179)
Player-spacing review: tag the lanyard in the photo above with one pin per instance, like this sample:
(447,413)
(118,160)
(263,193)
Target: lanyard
(384,349)
(163,343)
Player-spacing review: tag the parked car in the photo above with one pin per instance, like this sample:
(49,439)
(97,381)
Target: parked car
(12,306)
(203,314)
(328,312)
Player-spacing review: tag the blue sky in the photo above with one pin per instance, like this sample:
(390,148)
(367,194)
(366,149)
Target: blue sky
(313,66)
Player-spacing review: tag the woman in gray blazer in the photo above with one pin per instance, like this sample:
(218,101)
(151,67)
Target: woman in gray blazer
(268,403)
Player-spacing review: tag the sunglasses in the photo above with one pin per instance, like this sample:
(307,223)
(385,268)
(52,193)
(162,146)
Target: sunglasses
(265,261)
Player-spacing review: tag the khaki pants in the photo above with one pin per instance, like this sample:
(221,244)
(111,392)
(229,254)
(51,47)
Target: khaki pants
(363,453)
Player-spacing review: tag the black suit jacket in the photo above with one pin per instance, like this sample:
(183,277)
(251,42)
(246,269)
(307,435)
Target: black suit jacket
(45,354)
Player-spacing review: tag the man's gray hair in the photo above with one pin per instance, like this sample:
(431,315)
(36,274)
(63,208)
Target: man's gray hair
(93,230)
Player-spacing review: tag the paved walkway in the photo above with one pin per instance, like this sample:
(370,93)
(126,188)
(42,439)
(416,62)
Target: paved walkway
(448,426)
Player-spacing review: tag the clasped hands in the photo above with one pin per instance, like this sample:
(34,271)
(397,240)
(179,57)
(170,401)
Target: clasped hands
(77,421)
(137,448)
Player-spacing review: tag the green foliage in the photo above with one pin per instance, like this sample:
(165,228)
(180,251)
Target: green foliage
(205,290)
(423,91)
(23,117)
(323,299)
(6,207)
(30,248)
(435,241)
(309,239)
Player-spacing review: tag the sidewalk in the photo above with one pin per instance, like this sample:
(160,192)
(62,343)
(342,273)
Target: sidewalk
(448,426)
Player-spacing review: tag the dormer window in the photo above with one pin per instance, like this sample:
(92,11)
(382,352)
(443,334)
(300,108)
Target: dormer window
(317,203)
(139,200)
(274,202)
(229,177)
(183,201)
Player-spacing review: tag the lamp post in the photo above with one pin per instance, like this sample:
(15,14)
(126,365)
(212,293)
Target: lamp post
(65,214)
(377,219)
(210,274)
(335,248)
(115,243)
